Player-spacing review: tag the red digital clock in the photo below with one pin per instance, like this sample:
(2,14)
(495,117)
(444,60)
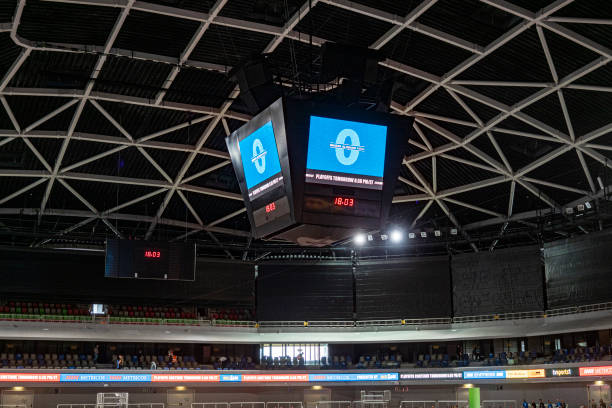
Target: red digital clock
(152,254)
(344,201)
(270,207)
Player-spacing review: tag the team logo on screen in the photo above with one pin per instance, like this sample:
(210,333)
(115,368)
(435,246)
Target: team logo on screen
(341,146)
(259,156)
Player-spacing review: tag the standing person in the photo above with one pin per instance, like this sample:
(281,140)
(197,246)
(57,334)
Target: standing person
(541,404)
(96,353)
(550,404)
(525,404)
(534,405)
(153,365)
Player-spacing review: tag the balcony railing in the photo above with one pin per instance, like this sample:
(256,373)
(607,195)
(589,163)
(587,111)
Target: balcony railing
(397,323)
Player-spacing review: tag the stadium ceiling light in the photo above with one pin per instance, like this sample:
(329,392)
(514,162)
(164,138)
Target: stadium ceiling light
(370,237)
(454,231)
(396,236)
(359,239)
(411,235)
(384,237)
(423,234)
(588,205)
(437,233)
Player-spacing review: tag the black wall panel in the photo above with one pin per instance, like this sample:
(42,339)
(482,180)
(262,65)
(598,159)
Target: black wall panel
(79,276)
(579,270)
(305,291)
(408,288)
(503,281)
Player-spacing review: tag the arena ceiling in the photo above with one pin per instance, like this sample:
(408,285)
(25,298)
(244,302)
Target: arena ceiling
(114,114)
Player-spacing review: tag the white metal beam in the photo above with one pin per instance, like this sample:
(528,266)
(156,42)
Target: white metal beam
(193,42)
(396,29)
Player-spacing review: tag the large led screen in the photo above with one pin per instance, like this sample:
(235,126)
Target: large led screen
(262,169)
(346,153)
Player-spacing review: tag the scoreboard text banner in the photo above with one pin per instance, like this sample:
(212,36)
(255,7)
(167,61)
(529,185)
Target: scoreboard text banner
(185,378)
(538,373)
(126,378)
(274,377)
(595,371)
(354,377)
(484,375)
(29,377)
(431,376)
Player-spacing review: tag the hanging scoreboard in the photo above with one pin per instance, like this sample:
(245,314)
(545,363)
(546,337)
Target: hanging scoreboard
(315,174)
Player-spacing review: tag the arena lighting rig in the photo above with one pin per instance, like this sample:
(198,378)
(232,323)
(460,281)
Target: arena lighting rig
(314,173)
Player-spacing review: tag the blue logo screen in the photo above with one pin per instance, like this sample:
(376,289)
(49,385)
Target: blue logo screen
(259,156)
(337,148)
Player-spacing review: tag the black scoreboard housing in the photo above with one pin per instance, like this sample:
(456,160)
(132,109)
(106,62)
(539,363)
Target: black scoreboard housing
(305,213)
(150,260)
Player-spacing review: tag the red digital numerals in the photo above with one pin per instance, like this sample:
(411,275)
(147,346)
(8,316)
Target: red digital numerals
(152,254)
(344,202)
(270,207)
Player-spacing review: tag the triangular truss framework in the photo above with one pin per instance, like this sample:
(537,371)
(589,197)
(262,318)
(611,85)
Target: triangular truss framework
(459,90)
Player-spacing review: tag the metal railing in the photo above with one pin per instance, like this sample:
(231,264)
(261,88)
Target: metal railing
(209,405)
(332,323)
(77,405)
(147,405)
(290,404)
(434,404)
(247,405)
(333,404)
(498,404)
(305,324)
(288,323)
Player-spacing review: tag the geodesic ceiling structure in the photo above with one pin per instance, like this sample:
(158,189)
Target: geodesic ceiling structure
(114,112)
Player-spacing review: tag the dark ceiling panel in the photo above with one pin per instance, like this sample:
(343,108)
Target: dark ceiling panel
(588,110)
(200,87)
(170,161)
(274,12)
(414,49)
(342,26)
(229,46)
(29,109)
(47,21)
(8,52)
(155,33)
(470,20)
(132,77)
(143,120)
(520,59)
(55,70)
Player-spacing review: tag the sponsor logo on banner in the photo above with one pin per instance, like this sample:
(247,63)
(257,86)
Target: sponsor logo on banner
(231,377)
(595,371)
(105,378)
(274,377)
(484,375)
(29,377)
(431,376)
(560,372)
(185,377)
(354,377)
(539,373)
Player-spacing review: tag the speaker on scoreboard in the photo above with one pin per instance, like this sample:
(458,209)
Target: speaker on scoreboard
(315,174)
(255,80)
